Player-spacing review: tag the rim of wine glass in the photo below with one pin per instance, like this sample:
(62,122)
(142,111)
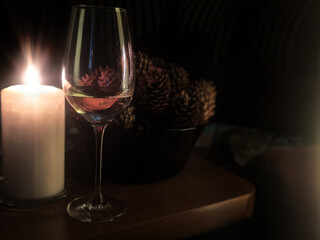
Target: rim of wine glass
(88,7)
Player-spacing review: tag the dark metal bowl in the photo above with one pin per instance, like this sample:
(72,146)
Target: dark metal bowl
(132,158)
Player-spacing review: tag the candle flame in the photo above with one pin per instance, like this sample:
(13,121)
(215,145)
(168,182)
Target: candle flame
(31,76)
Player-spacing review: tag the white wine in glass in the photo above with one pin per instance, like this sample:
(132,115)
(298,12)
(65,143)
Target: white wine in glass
(98,81)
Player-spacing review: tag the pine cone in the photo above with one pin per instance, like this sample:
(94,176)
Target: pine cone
(89,80)
(129,120)
(141,125)
(153,91)
(184,110)
(179,77)
(126,119)
(205,93)
(106,77)
(100,77)
(194,105)
(142,62)
(158,62)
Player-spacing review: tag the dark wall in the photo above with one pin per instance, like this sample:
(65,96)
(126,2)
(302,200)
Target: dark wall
(263,55)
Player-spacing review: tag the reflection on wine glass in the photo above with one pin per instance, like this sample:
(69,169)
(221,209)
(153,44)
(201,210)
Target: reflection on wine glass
(98,81)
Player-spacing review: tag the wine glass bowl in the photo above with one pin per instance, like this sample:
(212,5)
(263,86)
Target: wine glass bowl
(98,81)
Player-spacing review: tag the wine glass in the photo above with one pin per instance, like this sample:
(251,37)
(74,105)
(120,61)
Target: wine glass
(98,81)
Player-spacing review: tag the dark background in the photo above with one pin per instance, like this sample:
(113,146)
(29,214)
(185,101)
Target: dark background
(263,55)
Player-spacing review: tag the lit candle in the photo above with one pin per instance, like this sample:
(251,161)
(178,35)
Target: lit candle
(33,131)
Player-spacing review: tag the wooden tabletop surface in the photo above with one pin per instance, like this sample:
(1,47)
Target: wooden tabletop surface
(203,197)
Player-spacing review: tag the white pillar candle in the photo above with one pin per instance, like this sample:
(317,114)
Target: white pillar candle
(33,132)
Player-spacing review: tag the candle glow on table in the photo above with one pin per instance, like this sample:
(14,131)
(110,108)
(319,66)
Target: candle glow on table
(33,138)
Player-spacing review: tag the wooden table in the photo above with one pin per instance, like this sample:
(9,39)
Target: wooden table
(201,198)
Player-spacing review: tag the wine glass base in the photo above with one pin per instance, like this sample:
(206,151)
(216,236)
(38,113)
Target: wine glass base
(83,210)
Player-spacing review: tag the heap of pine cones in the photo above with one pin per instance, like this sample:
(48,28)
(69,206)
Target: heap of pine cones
(166,98)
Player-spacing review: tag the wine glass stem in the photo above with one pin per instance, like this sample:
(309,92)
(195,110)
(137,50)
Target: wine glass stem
(97,197)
